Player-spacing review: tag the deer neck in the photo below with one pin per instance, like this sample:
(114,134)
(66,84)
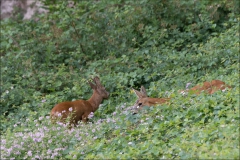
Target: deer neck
(157,100)
(95,100)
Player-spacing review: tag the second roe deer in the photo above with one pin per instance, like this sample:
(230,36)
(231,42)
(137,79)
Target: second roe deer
(207,87)
(80,109)
(144,100)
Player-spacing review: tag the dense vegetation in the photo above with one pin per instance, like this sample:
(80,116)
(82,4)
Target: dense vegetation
(161,44)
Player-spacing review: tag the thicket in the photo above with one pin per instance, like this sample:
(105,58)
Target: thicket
(161,44)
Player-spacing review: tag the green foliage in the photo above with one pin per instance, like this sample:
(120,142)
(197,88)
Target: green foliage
(162,45)
(190,127)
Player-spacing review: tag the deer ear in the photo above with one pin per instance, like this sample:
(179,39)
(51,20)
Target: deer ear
(143,91)
(139,94)
(93,86)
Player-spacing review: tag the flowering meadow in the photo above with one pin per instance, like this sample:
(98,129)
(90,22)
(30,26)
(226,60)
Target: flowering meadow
(164,45)
(199,127)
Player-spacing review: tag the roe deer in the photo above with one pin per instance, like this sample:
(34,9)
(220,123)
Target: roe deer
(208,87)
(80,109)
(144,100)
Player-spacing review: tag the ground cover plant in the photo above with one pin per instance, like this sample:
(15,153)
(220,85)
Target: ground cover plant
(162,45)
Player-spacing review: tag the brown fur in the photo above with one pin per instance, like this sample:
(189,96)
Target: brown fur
(144,100)
(81,108)
(209,87)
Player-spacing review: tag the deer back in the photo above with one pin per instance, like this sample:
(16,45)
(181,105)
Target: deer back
(209,87)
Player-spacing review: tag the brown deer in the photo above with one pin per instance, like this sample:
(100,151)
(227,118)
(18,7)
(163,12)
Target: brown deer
(144,100)
(80,109)
(207,87)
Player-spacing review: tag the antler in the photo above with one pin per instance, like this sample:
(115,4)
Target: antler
(97,81)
